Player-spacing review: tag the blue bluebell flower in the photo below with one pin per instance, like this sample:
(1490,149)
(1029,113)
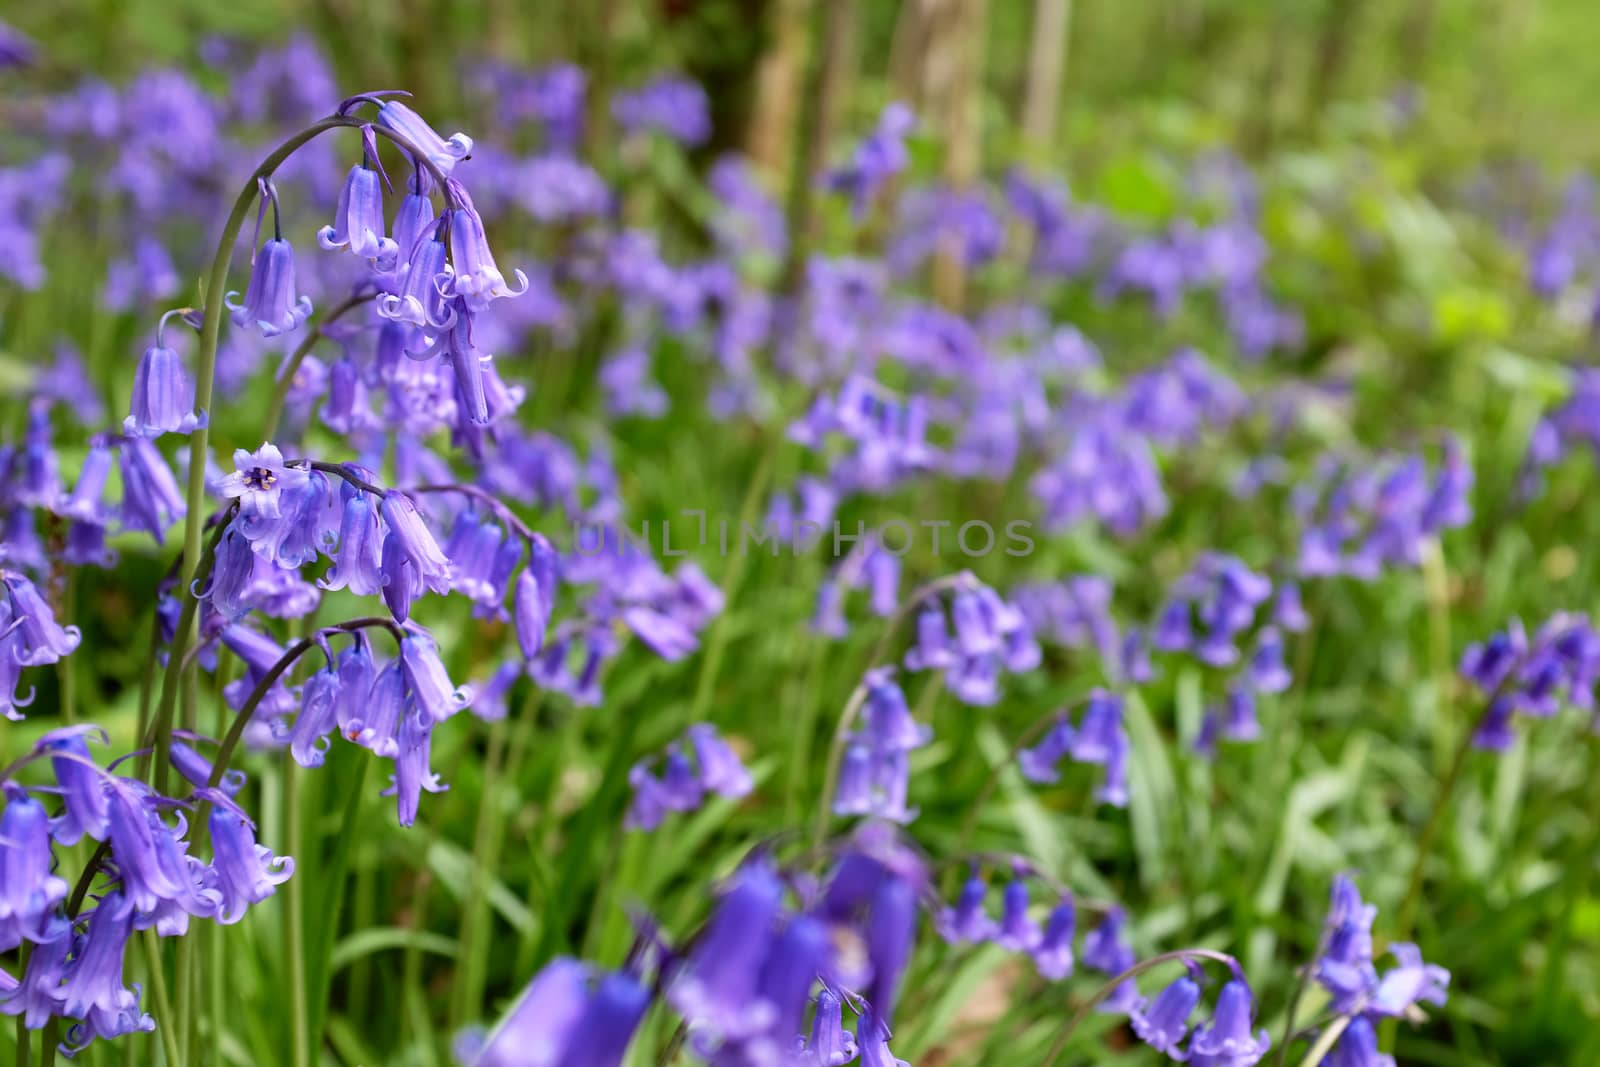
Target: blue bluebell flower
(242,872)
(270,302)
(358,220)
(715,991)
(1162,1024)
(92,989)
(441,152)
(968,921)
(163,396)
(1226,1041)
(260,480)
(1053,956)
(29,892)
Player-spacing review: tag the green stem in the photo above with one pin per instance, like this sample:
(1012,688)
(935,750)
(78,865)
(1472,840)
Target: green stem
(340,866)
(1325,1042)
(475,918)
(1430,833)
(24,1039)
(158,990)
(295,923)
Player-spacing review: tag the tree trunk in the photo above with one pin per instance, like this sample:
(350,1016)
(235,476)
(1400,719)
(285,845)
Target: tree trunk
(957,67)
(779,81)
(827,89)
(1047,60)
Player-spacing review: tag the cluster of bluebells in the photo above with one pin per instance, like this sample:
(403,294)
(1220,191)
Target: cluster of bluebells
(1359,518)
(1049,945)
(766,981)
(697,765)
(1209,613)
(1574,422)
(149,879)
(1098,738)
(1356,991)
(1559,665)
(876,771)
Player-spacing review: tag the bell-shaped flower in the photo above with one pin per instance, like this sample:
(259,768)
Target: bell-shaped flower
(358,220)
(270,302)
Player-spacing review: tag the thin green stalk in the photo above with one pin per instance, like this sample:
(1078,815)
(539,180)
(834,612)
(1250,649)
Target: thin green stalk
(321,979)
(732,579)
(24,1039)
(475,917)
(295,923)
(49,1040)
(613,779)
(567,739)
(1325,1042)
(158,989)
(1574,891)
(804,731)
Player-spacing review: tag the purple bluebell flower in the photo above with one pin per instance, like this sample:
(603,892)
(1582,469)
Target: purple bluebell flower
(196,769)
(874,1043)
(1409,983)
(163,396)
(1226,1041)
(1016,932)
(260,480)
(428,687)
(1038,764)
(87,502)
(932,650)
(375,723)
(878,158)
(716,989)
(93,989)
(674,107)
(441,152)
(244,872)
(534,1033)
(29,892)
(270,302)
(830,1044)
(38,638)
(1161,1024)
(1101,730)
(535,596)
(967,921)
(1239,721)
(358,220)
(317,718)
(1105,949)
(37,998)
(720,768)
(1052,956)
(477,278)
(415,294)
(412,774)
(411,559)
(359,556)
(85,806)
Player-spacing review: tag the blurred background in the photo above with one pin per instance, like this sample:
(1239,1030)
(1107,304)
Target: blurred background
(1414,161)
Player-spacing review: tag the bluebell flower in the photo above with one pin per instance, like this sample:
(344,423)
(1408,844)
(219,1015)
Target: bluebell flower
(1409,983)
(415,561)
(85,805)
(1100,732)
(37,997)
(830,1044)
(1038,764)
(428,687)
(477,278)
(35,474)
(878,158)
(412,774)
(716,990)
(260,480)
(967,921)
(720,769)
(86,504)
(1239,721)
(874,1043)
(196,770)
(1016,932)
(358,220)
(163,397)
(535,596)
(358,558)
(663,634)
(890,934)
(1226,1041)
(1267,672)
(1052,956)
(318,717)
(1105,949)
(674,107)
(29,892)
(1345,968)
(1162,1024)
(93,989)
(932,649)
(242,871)
(270,302)
(375,723)
(441,152)
(39,639)
(415,294)
(535,1031)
